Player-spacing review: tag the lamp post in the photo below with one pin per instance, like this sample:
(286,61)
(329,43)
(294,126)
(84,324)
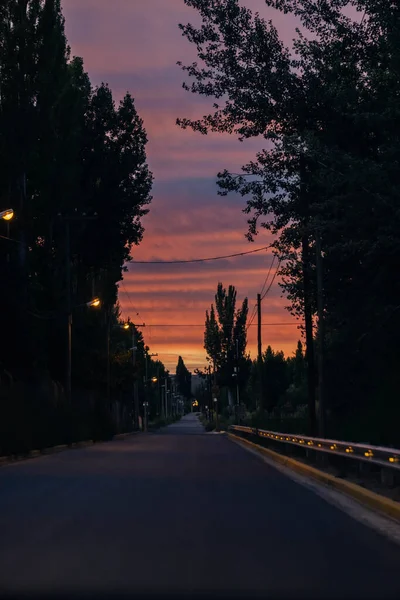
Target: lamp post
(146,402)
(159,401)
(7,215)
(236,375)
(130,326)
(94,303)
(164,399)
(167,393)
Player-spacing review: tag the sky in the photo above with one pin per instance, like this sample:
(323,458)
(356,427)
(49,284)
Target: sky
(134,45)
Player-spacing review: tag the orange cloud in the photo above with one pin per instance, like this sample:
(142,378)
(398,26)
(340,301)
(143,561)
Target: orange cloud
(134,45)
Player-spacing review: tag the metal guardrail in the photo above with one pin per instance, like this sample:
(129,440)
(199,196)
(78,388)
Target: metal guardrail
(377,455)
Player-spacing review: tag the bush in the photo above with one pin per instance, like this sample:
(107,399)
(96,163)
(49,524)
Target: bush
(224,423)
(209,425)
(297,423)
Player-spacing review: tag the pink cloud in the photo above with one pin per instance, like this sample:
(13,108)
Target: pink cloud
(134,45)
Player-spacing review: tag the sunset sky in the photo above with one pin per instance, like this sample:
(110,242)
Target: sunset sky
(134,45)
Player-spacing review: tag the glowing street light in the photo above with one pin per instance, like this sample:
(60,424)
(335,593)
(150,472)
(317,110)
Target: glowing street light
(154,379)
(7,215)
(95,303)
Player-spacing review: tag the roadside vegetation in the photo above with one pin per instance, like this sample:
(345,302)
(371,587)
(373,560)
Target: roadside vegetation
(326,186)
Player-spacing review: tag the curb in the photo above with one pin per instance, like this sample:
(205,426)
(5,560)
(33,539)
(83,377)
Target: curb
(51,450)
(84,444)
(122,436)
(6,460)
(370,499)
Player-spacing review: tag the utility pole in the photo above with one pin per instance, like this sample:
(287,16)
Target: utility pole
(209,389)
(166,396)
(146,402)
(259,354)
(108,325)
(135,390)
(237,384)
(216,401)
(68,367)
(22,245)
(159,401)
(135,382)
(321,336)
(69,311)
(308,316)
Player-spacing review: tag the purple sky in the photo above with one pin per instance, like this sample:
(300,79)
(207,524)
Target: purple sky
(134,45)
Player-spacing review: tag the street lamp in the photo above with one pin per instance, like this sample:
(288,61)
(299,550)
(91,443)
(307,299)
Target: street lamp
(146,404)
(130,326)
(95,303)
(7,214)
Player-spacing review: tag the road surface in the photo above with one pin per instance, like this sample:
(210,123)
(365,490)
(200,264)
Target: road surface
(180,511)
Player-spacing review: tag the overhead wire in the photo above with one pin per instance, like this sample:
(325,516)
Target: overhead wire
(273,279)
(253,314)
(135,310)
(197,260)
(10,239)
(267,277)
(254,310)
(202,324)
(129,298)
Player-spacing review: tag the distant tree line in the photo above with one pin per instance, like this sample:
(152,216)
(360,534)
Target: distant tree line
(251,391)
(326,183)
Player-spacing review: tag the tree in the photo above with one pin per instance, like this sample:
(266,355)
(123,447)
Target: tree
(329,163)
(68,154)
(247,64)
(225,336)
(275,377)
(183,379)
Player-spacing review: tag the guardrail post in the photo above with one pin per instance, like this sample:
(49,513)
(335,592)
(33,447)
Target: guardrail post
(387,478)
(364,468)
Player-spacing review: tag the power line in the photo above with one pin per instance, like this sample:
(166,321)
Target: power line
(253,314)
(203,325)
(273,279)
(196,260)
(130,299)
(137,312)
(254,311)
(4,237)
(267,277)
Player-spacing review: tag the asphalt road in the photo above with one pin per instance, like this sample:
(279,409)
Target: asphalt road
(180,511)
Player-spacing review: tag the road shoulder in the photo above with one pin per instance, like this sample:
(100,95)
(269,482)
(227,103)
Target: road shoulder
(382,523)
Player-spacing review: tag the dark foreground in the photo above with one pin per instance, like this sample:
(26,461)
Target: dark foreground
(176,512)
